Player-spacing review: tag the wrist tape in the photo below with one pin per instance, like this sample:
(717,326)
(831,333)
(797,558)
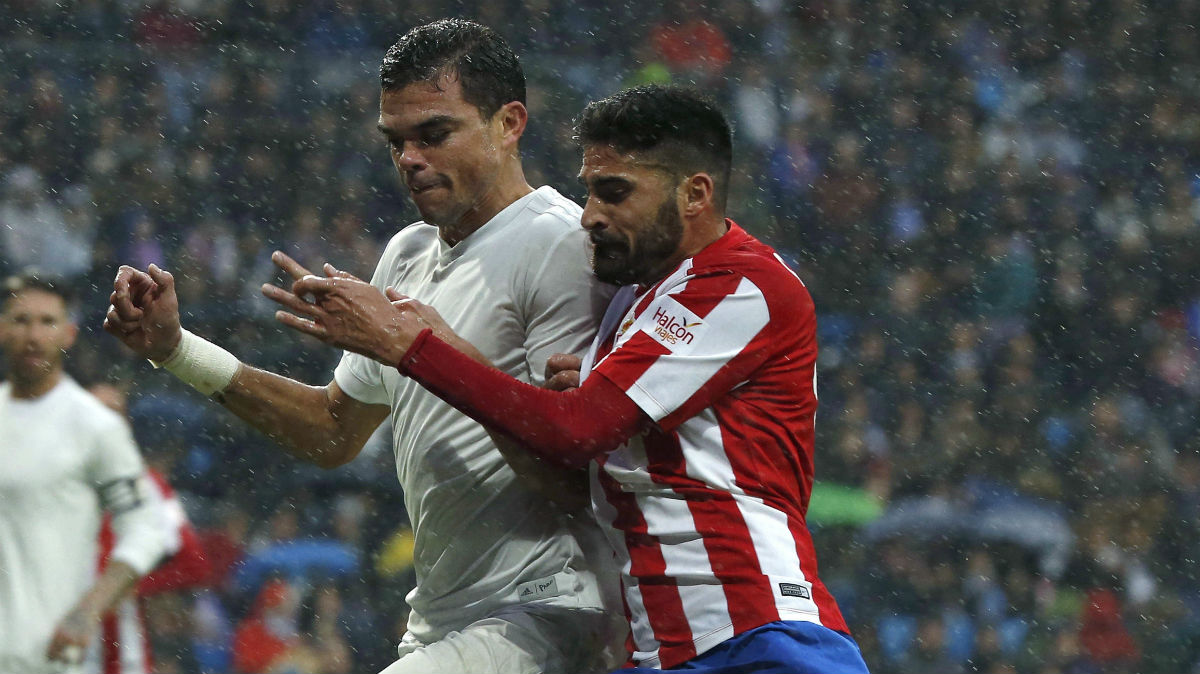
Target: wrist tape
(200,364)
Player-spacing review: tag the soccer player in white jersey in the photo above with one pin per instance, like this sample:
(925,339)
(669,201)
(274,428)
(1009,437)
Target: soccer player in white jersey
(66,459)
(698,413)
(503,585)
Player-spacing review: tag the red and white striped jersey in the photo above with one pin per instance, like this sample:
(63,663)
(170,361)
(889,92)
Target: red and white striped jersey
(708,507)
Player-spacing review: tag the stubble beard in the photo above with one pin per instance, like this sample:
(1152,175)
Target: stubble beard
(616,261)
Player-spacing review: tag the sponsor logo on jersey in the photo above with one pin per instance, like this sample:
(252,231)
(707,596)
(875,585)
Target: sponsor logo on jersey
(625,327)
(672,325)
(673,329)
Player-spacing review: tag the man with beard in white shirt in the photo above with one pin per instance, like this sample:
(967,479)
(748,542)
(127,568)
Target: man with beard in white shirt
(67,458)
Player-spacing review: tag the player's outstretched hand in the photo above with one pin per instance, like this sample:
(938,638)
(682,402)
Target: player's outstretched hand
(562,371)
(345,312)
(144,311)
(71,637)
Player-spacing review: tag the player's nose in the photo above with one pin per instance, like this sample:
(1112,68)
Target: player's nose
(592,218)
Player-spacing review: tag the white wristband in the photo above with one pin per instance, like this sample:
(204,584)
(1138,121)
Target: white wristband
(201,364)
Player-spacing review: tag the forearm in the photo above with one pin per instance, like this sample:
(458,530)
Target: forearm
(567,428)
(110,588)
(297,416)
(315,424)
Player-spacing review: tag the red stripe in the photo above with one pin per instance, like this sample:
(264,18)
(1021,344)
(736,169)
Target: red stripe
(726,538)
(660,595)
(147,654)
(112,651)
(831,616)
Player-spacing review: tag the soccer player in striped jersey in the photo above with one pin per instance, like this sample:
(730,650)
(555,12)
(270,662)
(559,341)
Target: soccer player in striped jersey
(696,406)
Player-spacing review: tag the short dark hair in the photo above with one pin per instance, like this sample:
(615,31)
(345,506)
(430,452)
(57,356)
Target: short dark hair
(682,128)
(486,67)
(32,280)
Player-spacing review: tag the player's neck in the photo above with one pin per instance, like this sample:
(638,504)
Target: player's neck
(510,187)
(26,389)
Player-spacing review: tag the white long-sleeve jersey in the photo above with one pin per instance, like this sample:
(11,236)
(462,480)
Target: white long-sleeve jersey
(64,457)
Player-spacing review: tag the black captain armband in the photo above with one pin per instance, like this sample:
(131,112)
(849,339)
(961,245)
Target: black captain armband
(121,495)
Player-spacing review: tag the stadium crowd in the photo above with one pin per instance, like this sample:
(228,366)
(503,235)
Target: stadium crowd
(997,210)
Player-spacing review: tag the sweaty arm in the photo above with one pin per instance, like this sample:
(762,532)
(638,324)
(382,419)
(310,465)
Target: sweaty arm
(568,428)
(320,425)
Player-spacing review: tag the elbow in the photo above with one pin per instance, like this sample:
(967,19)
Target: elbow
(334,453)
(332,460)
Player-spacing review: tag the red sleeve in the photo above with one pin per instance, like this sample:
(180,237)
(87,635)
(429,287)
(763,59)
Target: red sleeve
(188,567)
(569,428)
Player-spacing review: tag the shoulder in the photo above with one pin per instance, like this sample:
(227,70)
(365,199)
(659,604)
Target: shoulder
(412,239)
(87,409)
(550,217)
(756,268)
(410,243)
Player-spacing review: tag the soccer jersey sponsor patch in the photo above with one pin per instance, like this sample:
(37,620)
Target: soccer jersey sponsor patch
(672,325)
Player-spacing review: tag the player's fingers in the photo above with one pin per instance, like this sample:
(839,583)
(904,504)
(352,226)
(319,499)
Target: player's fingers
(291,301)
(120,325)
(304,325)
(122,302)
(562,361)
(563,381)
(314,285)
(290,266)
(396,296)
(63,648)
(161,276)
(331,270)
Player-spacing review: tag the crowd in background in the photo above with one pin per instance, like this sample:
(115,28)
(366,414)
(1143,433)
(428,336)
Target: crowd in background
(996,208)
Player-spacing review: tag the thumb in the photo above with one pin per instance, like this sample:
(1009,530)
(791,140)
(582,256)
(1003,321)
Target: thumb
(161,276)
(394,295)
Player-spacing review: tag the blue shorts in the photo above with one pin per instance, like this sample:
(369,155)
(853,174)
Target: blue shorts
(784,647)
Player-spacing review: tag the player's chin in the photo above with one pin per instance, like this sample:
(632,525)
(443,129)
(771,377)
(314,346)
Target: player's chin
(612,270)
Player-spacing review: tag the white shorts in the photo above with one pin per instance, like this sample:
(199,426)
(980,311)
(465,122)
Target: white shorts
(521,640)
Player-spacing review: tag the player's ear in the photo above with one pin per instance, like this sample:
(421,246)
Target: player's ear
(699,191)
(511,119)
(69,335)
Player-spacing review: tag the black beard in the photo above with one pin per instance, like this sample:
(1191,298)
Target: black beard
(615,261)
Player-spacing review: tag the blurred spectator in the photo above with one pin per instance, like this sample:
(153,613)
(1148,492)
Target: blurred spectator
(37,233)
(269,639)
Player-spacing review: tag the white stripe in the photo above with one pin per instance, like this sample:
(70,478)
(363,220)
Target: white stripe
(707,461)
(131,645)
(704,451)
(704,604)
(606,514)
(643,634)
(672,379)
(790,270)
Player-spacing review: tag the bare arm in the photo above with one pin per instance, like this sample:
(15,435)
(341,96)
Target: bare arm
(321,425)
(317,424)
(74,631)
